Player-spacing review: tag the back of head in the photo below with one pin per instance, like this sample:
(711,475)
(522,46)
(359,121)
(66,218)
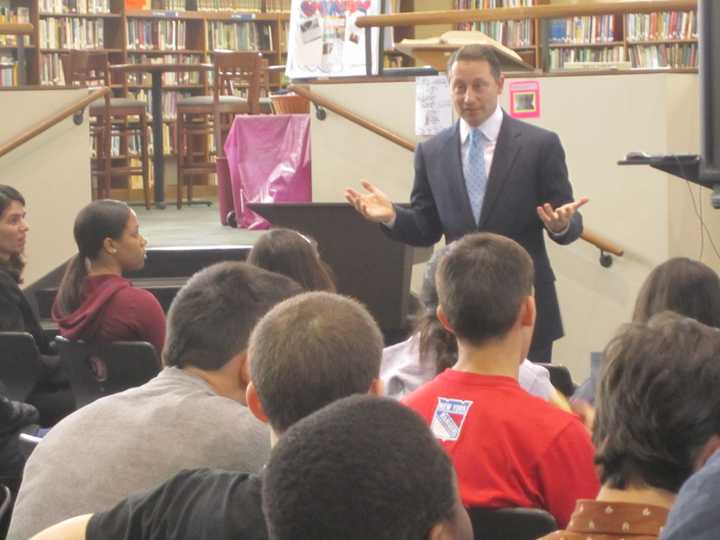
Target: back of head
(210,319)
(97,221)
(8,195)
(684,286)
(291,254)
(658,402)
(312,350)
(364,467)
(482,282)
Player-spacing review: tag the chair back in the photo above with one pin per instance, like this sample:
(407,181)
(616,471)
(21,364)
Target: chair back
(239,72)
(86,68)
(96,371)
(511,523)
(6,504)
(20,364)
(560,378)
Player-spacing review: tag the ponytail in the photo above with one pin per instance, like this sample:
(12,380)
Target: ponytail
(437,345)
(69,296)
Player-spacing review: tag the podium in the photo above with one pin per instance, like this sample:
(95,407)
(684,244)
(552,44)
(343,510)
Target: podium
(368,265)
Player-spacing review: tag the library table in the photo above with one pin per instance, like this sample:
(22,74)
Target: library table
(156,71)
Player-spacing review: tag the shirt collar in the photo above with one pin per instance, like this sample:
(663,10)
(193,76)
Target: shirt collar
(490,127)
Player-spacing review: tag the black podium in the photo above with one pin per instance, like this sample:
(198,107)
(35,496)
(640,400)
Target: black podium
(367,265)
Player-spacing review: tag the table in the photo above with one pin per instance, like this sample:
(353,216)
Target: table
(156,71)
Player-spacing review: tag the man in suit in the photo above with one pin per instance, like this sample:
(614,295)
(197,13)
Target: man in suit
(488,172)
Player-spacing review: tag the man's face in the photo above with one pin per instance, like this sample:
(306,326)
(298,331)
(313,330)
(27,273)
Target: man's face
(474,90)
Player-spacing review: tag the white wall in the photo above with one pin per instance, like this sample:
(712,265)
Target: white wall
(599,119)
(52,172)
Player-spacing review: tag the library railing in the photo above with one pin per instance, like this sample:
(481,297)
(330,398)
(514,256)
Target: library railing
(76,110)
(607,247)
(541,12)
(19,30)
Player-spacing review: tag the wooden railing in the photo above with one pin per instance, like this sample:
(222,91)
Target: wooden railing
(39,128)
(605,246)
(538,12)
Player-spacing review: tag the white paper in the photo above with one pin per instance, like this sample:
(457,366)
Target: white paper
(433,108)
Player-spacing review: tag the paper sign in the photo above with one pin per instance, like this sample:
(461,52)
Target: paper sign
(324,40)
(525,99)
(433,108)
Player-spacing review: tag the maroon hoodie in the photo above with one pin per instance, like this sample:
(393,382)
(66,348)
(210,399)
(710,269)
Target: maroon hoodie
(114,310)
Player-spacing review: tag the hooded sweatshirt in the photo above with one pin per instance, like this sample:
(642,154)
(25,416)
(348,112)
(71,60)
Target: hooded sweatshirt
(113,310)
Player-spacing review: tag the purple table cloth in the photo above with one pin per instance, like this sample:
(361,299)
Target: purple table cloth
(268,159)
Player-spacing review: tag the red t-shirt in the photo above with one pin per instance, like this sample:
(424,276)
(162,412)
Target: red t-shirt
(509,449)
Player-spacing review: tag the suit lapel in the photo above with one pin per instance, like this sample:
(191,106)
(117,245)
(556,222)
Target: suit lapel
(456,179)
(506,150)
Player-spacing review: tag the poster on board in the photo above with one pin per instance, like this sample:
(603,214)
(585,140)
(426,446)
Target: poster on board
(324,41)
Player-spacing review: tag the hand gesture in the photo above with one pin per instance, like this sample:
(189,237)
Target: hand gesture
(374,206)
(558,220)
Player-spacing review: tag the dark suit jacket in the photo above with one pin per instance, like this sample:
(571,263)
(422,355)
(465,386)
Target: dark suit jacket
(528,169)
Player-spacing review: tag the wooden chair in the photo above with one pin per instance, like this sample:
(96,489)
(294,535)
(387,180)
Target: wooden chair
(96,371)
(122,118)
(511,523)
(20,364)
(200,116)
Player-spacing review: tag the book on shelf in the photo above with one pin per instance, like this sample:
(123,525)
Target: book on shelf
(74,6)
(239,36)
(491,28)
(513,34)
(51,71)
(661,26)
(596,29)
(144,34)
(170,78)
(8,71)
(247,6)
(72,33)
(167,5)
(560,58)
(10,15)
(283,6)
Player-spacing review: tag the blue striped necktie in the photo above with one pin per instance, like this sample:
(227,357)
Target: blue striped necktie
(474,171)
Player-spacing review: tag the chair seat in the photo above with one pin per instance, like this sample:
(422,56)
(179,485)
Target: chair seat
(133,106)
(208,100)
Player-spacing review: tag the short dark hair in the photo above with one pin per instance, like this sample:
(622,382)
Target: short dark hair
(482,282)
(658,402)
(477,53)
(684,286)
(211,317)
(312,350)
(291,254)
(363,467)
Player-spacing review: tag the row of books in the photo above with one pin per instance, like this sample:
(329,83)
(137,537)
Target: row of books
(589,29)
(673,55)
(51,72)
(169,100)
(8,71)
(490,4)
(152,34)
(74,6)
(274,6)
(514,34)
(662,26)
(248,6)
(12,16)
(72,33)
(171,78)
(559,57)
(242,36)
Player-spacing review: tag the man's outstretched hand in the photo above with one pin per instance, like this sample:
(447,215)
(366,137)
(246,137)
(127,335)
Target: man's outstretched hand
(374,205)
(557,220)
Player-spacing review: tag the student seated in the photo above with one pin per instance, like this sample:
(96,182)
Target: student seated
(94,302)
(362,468)
(294,255)
(52,395)
(304,354)
(510,449)
(432,349)
(192,414)
(682,285)
(657,419)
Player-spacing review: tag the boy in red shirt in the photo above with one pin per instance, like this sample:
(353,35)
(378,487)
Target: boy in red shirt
(509,449)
